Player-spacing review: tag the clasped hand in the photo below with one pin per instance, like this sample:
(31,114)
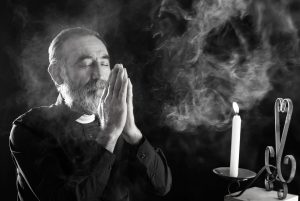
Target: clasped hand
(116,110)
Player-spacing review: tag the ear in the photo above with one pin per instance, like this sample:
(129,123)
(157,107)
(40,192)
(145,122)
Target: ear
(55,73)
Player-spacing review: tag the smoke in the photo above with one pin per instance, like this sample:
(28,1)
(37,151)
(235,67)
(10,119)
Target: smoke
(214,52)
(37,33)
(227,51)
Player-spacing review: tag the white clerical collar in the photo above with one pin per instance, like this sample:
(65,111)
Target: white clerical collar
(85,119)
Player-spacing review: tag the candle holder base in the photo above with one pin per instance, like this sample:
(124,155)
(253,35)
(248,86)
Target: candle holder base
(259,194)
(243,174)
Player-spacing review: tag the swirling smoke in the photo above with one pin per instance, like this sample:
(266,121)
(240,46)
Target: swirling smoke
(225,51)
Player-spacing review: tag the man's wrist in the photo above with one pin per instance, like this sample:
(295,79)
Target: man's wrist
(107,140)
(134,137)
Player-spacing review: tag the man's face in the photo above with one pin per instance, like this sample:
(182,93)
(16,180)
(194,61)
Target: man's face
(86,72)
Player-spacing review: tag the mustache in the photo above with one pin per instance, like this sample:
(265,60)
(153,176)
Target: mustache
(95,84)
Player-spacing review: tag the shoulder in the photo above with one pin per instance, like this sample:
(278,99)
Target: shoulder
(36,116)
(31,127)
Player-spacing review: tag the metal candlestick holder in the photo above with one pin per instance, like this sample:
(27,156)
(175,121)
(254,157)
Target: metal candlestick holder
(273,172)
(274,175)
(243,175)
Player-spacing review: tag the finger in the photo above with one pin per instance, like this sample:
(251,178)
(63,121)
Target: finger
(102,99)
(124,87)
(125,75)
(129,101)
(118,83)
(104,94)
(124,80)
(129,92)
(112,80)
(102,116)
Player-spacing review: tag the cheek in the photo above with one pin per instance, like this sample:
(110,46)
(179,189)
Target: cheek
(105,73)
(78,77)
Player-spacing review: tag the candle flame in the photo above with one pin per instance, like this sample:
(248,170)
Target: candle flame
(235,107)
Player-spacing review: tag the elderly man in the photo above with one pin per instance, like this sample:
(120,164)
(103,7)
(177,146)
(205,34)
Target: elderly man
(86,146)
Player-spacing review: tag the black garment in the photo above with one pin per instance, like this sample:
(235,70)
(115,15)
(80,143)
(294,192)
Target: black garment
(58,159)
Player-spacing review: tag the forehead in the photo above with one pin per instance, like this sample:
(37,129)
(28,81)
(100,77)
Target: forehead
(83,45)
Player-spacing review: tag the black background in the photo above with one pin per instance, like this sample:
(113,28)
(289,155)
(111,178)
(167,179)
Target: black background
(27,29)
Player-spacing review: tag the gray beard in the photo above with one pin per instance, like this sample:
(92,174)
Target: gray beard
(84,99)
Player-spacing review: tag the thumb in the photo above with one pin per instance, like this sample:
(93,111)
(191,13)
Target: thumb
(130,101)
(129,93)
(101,114)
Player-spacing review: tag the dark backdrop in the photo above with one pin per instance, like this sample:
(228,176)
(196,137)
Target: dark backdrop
(129,28)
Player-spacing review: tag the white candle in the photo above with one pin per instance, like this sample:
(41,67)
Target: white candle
(235,141)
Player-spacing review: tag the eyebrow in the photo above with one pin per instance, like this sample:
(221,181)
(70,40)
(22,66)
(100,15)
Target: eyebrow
(82,57)
(106,56)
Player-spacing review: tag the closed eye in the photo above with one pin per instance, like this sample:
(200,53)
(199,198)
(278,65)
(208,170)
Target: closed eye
(87,63)
(104,63)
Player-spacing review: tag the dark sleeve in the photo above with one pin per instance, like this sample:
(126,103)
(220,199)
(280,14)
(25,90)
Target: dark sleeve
(44,173)
(153,167)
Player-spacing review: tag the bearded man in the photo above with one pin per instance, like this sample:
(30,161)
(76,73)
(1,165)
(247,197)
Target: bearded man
(86,146)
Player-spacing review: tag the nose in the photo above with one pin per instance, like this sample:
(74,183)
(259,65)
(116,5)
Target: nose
(100,72)
(96,73)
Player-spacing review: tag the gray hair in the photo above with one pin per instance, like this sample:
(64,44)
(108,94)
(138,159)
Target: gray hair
(61,37)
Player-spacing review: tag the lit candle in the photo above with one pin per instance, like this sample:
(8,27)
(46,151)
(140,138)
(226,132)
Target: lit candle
(235,141)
